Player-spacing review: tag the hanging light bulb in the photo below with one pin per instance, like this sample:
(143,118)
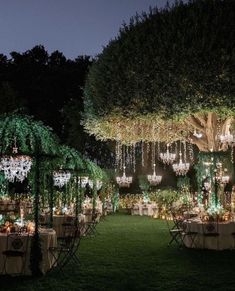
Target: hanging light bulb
(124,181)
(181,168)
(167,157)
(154,180)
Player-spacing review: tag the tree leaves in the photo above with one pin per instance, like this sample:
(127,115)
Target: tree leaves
(175,61)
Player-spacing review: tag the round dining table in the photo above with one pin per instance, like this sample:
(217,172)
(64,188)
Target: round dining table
(13,265)
(209,235)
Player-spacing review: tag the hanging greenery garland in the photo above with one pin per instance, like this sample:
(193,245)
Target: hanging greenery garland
(31,138)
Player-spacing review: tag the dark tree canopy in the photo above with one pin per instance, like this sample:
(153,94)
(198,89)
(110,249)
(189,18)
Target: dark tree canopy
(50,87)
(168,62)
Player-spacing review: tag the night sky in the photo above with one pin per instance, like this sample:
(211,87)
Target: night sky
(74,27)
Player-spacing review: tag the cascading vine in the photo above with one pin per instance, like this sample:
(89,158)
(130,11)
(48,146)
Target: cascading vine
(210,191)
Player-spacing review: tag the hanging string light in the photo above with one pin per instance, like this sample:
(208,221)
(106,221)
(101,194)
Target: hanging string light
(116,155)
(154,179)
(232,154)
(124,181)
(142,153)
(133,157)
(167,157)
(190,151)
(153,152)
(148,152)
(158,148)
(221,174)
(16,168)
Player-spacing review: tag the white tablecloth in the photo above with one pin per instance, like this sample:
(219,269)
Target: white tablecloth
(144,209)
(59,220)
(225,240)
(48,239)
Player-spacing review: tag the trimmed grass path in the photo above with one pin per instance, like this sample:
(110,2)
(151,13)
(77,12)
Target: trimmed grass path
(131,253)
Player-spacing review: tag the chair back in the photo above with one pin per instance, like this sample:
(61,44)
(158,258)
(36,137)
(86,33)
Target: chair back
(17,242)
(210,227)
(69,231)
(177,219)
(169,224)
(42,219)
(69,219)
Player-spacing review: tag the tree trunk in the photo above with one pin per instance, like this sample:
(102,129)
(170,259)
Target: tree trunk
(205,130)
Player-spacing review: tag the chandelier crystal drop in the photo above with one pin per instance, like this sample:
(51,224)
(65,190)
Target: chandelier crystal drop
(167,157)
(124,181)
(154,179)
(61,178)
(16,168)
(181,168)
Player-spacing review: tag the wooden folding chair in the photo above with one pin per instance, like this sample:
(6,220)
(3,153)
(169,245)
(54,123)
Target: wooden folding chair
(175,233)
(16,247)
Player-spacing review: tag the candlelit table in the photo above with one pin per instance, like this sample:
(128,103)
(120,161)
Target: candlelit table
(59,221)
(149,209)
(224,240)
(7,205)
(14,264)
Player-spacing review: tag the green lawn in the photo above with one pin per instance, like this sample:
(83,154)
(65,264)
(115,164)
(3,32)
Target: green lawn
(131,253)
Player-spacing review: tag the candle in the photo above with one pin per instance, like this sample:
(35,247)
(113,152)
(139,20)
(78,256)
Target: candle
(21,216)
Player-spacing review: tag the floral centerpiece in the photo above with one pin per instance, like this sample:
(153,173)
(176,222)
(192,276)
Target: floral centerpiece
(215,213)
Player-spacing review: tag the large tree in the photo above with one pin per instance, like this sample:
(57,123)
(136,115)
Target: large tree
(167,76)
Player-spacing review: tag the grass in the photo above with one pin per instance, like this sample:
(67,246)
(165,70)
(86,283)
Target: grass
(131,253)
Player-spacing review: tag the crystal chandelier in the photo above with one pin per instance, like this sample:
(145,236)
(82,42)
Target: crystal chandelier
(61,178)
(167,157)
(124,181)
(207,185)
(224,180)
(90,183)
(97,183)
(181,168)
(16,168)
(83,181)
(227,138)
(154,179)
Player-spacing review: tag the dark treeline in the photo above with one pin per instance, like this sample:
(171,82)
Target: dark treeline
(50,87)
